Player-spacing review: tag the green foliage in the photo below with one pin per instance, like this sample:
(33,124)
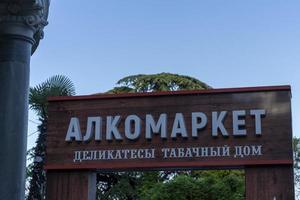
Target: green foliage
(58,85)
(35,170)
(29,168)
(118,185)
(158,82)
(296,155)
(148,181)
(208,186)
(54,86)
(195,185)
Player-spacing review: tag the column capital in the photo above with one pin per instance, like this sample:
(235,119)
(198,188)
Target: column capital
(24,19)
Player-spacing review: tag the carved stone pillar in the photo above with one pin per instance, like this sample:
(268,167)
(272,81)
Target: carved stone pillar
(21,28)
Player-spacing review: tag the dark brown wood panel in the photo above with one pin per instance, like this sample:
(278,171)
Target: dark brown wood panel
(269,183)
(276,138)
(71,185)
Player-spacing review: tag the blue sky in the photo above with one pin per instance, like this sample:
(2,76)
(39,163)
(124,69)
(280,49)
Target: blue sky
(223,43)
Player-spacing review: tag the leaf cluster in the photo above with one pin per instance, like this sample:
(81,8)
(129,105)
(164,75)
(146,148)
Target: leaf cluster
(57,85)
(158,82)
(210,185)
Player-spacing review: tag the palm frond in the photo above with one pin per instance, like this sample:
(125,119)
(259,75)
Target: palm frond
(57,85)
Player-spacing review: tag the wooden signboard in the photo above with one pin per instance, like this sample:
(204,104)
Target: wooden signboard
(243,127)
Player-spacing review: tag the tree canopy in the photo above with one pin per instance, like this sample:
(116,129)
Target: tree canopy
(157,82)
(207,185)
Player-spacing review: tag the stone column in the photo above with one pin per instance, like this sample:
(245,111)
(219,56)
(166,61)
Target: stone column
(21,28)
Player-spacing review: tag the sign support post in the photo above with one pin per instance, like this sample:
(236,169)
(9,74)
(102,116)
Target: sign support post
(71,185)
(269,182)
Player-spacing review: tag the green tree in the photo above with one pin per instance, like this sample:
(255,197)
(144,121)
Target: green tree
(296,155)
(157,82)
(152,185)
(212,185)
(54,86)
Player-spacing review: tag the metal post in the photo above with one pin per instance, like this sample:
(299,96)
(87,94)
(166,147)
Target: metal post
(21,27)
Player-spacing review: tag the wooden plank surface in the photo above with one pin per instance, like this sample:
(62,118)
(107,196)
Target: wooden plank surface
(269,183)
(71,185)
